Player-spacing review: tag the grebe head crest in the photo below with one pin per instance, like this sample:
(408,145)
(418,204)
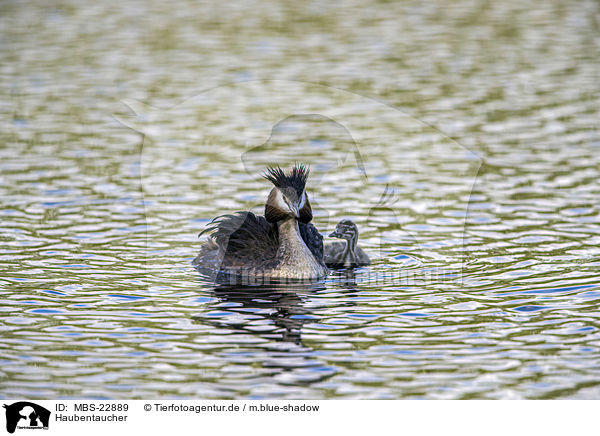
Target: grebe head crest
(288,197)
(296,179)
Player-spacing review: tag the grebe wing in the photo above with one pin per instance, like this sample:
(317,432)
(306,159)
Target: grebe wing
(312,238)
(243,236)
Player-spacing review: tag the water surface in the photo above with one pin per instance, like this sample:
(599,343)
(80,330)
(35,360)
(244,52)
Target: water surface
(478,121)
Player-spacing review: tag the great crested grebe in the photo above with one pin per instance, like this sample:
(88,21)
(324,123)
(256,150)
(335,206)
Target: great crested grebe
(281,245)
(346,254)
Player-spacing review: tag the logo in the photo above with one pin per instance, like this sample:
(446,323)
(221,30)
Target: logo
(26,415)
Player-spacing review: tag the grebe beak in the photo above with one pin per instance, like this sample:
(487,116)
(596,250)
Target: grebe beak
(335,234)
(296,211)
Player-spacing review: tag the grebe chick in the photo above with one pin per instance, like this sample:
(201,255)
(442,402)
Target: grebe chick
(345,254)
(281,245)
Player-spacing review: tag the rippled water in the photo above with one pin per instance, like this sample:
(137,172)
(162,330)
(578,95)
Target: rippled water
(461,137)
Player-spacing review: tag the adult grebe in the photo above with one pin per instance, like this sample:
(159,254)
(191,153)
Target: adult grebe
(281,245)
(346,254)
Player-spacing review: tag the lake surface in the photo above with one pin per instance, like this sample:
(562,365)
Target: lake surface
(462,138)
